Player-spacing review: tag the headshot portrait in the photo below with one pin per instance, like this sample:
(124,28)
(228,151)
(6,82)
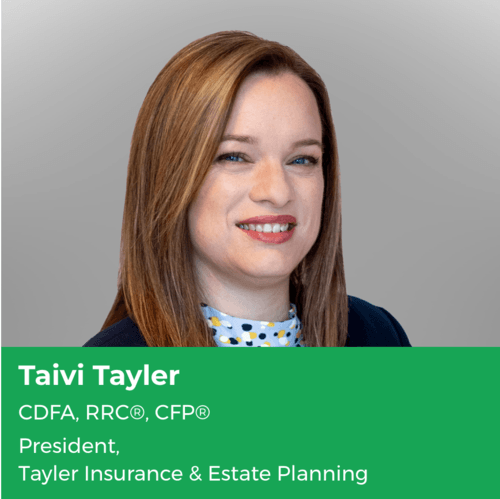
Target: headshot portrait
(232,223)
(185,175)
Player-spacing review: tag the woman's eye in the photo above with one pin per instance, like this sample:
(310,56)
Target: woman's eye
(312,161)
(229,155)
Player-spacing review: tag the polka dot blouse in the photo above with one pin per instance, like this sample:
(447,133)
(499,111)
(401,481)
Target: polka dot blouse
(233,332)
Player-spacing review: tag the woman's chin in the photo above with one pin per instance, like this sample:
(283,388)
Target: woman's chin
(267,271)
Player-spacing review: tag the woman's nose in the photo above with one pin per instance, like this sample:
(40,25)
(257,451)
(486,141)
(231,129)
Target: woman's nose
(270,183)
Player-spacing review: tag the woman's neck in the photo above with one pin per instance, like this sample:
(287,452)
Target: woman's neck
(247,300)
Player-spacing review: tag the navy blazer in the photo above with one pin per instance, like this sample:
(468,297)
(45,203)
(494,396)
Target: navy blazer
(368,326)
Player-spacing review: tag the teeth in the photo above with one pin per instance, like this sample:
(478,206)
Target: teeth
(274,228)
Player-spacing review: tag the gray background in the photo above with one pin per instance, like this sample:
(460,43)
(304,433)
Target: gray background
(414,92)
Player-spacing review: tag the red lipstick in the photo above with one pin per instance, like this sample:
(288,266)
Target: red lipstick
(269,219)
(270,237)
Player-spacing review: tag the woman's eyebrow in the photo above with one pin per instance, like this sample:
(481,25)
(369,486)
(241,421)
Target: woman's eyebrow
(251,140)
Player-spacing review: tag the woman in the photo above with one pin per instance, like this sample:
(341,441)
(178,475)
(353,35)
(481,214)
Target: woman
(231,232)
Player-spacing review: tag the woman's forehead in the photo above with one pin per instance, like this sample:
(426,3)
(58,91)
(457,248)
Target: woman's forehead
(273,106)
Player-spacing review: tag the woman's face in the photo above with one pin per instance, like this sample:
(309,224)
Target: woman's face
(266,177)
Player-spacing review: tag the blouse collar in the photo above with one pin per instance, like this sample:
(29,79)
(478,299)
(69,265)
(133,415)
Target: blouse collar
(231,331)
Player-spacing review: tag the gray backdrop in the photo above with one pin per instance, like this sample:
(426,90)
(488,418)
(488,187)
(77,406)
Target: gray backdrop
(414,92)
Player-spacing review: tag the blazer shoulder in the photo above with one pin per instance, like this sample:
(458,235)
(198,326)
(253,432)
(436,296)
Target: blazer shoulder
(369,325)
(124,333)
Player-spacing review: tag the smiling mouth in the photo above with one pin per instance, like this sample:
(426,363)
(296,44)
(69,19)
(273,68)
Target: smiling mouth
(267,228)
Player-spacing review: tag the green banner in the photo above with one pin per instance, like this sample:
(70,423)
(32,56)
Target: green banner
(189,422)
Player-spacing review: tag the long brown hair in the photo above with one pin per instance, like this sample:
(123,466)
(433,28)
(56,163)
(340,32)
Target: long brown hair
(176,137)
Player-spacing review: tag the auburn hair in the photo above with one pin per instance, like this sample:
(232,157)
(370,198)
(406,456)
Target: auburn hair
(176,137)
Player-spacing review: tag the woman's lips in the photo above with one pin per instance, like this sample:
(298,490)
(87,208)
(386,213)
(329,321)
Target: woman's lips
(270,219)
(270,237)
